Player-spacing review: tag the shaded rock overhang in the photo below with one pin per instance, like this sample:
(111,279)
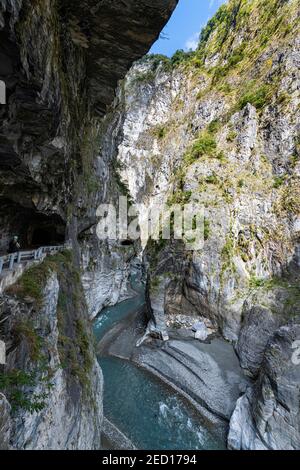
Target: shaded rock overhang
(117,33)
(106,37)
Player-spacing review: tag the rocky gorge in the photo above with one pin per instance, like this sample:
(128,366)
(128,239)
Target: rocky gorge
(219,127)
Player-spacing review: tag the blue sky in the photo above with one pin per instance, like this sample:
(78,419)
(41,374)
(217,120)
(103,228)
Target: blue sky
(185,25)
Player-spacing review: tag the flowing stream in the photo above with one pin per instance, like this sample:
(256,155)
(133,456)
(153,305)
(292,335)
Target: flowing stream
(149,413)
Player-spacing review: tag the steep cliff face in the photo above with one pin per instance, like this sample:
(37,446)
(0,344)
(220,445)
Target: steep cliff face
(60,62)
(52,379)
(220,127)
(4,423)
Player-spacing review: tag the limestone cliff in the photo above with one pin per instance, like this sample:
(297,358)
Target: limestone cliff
(60,61)
(220,127)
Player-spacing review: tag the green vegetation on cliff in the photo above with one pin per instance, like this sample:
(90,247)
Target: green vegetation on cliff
(75,340)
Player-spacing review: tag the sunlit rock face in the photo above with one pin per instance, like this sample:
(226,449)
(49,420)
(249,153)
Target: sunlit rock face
(221,129)
(61,63)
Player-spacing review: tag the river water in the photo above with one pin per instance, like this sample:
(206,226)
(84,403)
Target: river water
(150,414)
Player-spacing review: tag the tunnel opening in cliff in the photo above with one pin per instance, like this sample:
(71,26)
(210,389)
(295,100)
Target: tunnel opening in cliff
(33,228)
(46,232)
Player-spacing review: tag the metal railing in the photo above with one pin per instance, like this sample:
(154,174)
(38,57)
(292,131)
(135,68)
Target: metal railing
(8,262)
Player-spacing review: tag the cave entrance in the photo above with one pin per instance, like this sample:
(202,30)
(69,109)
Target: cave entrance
(33,228)
(45,231)
(46,236)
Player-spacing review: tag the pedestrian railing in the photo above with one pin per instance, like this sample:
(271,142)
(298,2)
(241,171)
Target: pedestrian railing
(10,261)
